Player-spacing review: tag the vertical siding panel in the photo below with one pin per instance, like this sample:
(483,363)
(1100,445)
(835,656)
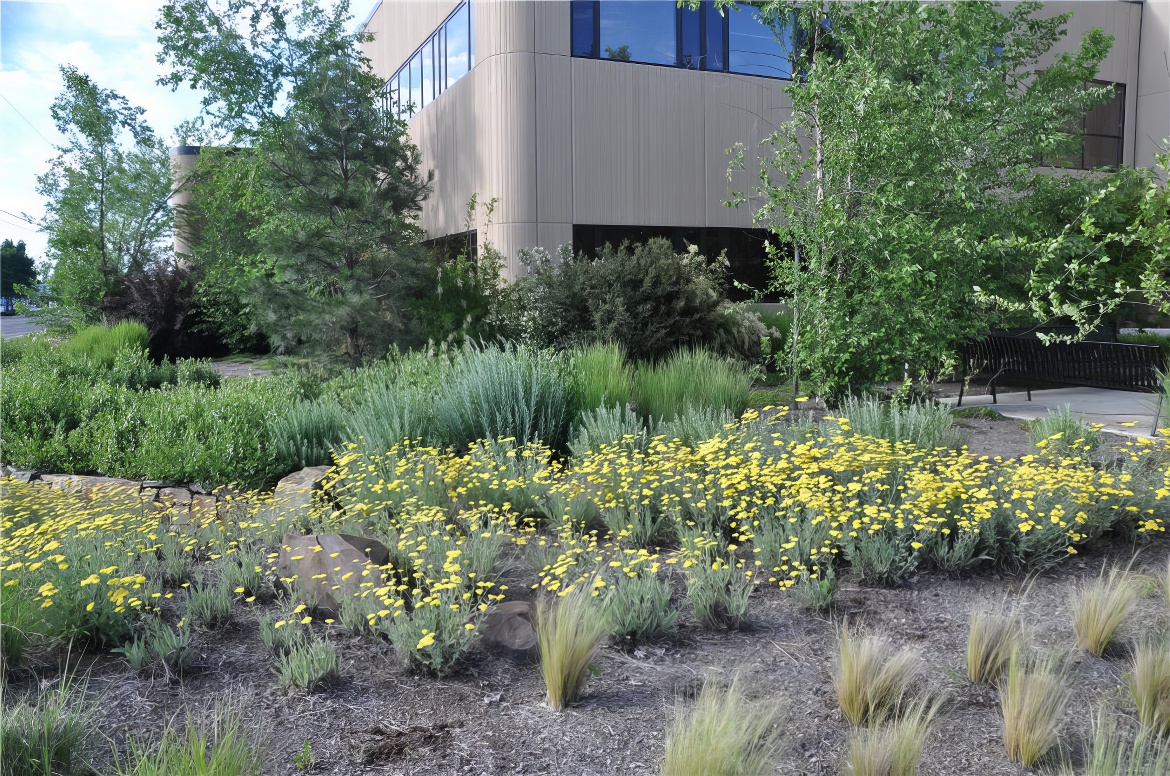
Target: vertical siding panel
(554,139)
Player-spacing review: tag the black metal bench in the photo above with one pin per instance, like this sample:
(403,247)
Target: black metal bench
(1115,365)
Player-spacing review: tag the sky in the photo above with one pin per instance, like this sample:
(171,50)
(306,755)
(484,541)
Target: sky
(111,40)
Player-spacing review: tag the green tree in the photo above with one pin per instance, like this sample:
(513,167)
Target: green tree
(341,243)
(247,56)
(1112,248)
(16,268)
(107,192)
(916,135)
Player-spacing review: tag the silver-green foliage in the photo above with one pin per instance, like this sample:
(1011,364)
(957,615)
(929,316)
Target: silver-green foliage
(306,433)
(1061,434)
(608,425)
(719,594)
(509,392)
(209,603)
(638,607)
(924,425)
(308,665)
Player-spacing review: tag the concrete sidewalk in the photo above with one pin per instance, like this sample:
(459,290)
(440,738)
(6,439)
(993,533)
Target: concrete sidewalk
(1112,409)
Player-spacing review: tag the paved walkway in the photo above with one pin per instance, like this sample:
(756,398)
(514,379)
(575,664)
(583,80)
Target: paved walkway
(1121,412)
(17,325)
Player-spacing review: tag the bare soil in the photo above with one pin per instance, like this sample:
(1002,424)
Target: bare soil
(490,718)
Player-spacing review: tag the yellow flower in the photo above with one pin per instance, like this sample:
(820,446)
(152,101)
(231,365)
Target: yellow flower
(426,641)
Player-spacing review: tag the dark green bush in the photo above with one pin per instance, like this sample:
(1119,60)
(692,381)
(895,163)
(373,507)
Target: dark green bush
(646,298)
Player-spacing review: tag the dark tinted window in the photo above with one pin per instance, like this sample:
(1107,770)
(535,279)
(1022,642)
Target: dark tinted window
(752,47)
(584,28)
(716,38)
(690,38)
(639,31)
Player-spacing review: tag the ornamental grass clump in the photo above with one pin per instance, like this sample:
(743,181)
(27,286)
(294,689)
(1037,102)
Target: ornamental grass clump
(602,378)
(617,425)
(48,736)
(227,747)
(722,734)
(893,748)
(689,380)
(496,393)
(872,677)
(1033,697)
(1149,685)
(1099,607)
(568,634)
(992,638)
(1115,750)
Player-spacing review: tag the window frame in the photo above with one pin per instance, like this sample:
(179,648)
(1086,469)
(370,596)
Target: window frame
(708,17)
(437,45)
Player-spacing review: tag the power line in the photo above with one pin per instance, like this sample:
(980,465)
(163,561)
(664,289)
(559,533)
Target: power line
(18,226)
(26,121)
(19,217)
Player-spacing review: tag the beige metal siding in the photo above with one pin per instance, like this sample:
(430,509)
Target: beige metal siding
(503,27)
(554,138)
(1152,122)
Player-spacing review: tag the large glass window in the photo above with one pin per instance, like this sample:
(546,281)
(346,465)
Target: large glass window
(584,28)
(458,44)
(416,83)
(428,72)
(752,47)
(690,38)
(1104,132)
(639,31)
(446,56)
(659,32)
(714,38)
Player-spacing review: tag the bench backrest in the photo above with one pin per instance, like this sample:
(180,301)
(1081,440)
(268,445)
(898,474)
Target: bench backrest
(1100,364)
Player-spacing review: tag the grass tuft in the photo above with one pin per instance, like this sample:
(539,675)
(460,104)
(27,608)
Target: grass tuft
(1115,751)
(46,737)
(225,748)
(1061,434)
(991,639)
(1149,686)
(892,749)
(568,635)
(872,678)
(690,380)
(309,665)
(603,378)
(1033,698)
(1099,606)
(723,734)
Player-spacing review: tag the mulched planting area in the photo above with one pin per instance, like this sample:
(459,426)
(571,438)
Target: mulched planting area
(490,717)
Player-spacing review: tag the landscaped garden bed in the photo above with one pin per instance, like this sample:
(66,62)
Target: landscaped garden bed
(743,552)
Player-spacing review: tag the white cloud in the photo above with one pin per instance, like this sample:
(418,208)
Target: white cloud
(115,42)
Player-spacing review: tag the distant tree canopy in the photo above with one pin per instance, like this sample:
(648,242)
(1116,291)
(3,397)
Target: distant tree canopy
(16,268)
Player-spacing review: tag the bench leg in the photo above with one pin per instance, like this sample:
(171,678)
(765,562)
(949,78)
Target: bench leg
(1029,394)
(962,385)
(994,398)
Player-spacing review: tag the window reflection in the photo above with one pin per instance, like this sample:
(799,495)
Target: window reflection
(639,31)
(443,59)
(752,47)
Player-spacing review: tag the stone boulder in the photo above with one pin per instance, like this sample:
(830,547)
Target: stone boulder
(326,568)
(510,627)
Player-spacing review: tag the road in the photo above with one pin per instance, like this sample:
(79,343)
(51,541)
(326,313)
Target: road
(17,325)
